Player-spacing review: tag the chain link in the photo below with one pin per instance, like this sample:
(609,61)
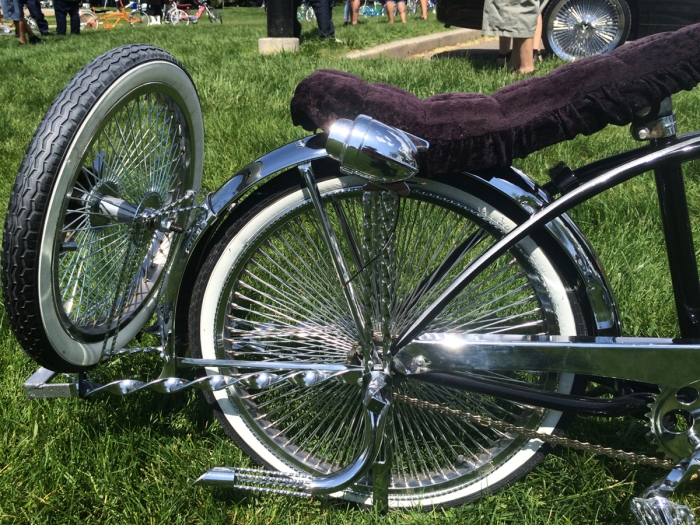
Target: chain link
(532,434)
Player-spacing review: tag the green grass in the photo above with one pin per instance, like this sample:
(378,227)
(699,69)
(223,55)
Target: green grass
(132,460)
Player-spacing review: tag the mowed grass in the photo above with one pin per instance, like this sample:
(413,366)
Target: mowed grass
(133,460)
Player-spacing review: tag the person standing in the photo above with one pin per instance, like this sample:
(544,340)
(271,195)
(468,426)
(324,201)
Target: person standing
(155,11)
(516,19)
(70,8)
(401,4)
(13,10)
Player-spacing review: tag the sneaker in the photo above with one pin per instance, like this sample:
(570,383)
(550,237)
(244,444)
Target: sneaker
(35,40)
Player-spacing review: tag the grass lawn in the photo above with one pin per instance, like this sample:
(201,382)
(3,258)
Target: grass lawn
(133,460)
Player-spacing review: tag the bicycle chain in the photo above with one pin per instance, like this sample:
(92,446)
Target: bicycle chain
(162,213)
(487,422)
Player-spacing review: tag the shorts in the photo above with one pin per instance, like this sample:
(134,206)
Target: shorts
(510,18)
(395,1)
(12,10)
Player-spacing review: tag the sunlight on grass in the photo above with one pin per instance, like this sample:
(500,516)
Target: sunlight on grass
(133,460)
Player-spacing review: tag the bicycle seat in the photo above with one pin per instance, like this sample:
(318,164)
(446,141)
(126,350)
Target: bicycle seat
(471,131)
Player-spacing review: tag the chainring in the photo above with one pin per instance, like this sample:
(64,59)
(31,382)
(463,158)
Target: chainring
(675,420)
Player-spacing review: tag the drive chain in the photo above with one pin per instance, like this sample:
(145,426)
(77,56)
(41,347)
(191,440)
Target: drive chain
(532,434)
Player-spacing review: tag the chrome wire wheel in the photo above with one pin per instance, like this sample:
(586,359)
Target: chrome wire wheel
(85,252)
(106,269)
(268,292)
(576,29)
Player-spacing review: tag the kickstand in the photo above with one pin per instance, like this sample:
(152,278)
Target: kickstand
(654,507)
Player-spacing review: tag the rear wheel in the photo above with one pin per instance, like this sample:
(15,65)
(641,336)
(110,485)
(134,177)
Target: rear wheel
(579,28)
(88,21)
(268,292)
(126,135)
(139,18)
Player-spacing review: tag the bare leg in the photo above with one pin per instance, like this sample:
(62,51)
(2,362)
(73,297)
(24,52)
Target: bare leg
(537,43)
(503,50)
(355,11)
(424,9)
(390,11)
(402,11)
(521,59)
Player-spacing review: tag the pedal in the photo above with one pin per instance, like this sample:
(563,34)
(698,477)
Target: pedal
(258,480)
(658,510)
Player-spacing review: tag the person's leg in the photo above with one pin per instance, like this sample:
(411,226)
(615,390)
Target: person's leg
(390,11)
(37,14)
(61,9)
(355,8)
(74,13)
(521,60)
(346,13)
(504,52)
(537,42)
(402,11)
(323,18)
(424,9)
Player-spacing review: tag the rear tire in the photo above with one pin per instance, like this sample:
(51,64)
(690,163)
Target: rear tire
(267,291)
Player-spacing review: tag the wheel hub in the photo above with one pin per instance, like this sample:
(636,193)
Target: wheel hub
(586,26)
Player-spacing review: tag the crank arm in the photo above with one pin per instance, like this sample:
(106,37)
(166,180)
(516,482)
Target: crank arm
(668,362)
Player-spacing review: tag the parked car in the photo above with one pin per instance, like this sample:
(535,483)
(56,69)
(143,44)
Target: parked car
(579,28)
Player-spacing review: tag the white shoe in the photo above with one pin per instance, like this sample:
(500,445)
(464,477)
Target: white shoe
(157,22)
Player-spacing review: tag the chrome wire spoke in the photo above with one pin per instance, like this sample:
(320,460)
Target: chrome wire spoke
(137,154)
(284,303)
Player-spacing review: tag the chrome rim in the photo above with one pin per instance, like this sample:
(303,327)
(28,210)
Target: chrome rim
(581,28)
(282,302)
(106,269)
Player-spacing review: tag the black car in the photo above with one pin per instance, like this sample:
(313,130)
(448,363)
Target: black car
(578,28)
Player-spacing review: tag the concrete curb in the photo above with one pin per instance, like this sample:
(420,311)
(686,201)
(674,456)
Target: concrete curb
(417,45)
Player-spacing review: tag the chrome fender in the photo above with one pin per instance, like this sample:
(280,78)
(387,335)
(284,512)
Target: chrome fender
(221,203)
(531,198)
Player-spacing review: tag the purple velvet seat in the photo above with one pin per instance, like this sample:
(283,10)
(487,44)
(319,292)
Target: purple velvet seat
(469,131)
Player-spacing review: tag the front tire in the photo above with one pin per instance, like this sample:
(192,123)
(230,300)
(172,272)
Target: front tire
(576,29)
(268,291)
(78,281)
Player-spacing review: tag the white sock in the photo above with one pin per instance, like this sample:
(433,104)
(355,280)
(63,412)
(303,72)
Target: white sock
(157,20)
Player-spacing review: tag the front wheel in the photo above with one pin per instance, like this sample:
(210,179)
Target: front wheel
(268,292)
(178,15)
(576,29)
(214,16)
(82,261)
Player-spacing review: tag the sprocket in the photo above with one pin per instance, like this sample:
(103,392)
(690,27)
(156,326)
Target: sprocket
(675,420)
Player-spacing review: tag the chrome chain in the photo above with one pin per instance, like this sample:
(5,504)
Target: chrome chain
(532,434)
(162,213)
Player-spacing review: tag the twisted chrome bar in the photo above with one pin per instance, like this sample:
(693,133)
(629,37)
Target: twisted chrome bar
(39,385)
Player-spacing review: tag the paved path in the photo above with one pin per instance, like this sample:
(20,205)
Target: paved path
(419,45)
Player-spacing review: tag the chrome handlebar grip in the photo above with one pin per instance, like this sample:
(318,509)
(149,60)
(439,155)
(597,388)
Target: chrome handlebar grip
(374,151)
